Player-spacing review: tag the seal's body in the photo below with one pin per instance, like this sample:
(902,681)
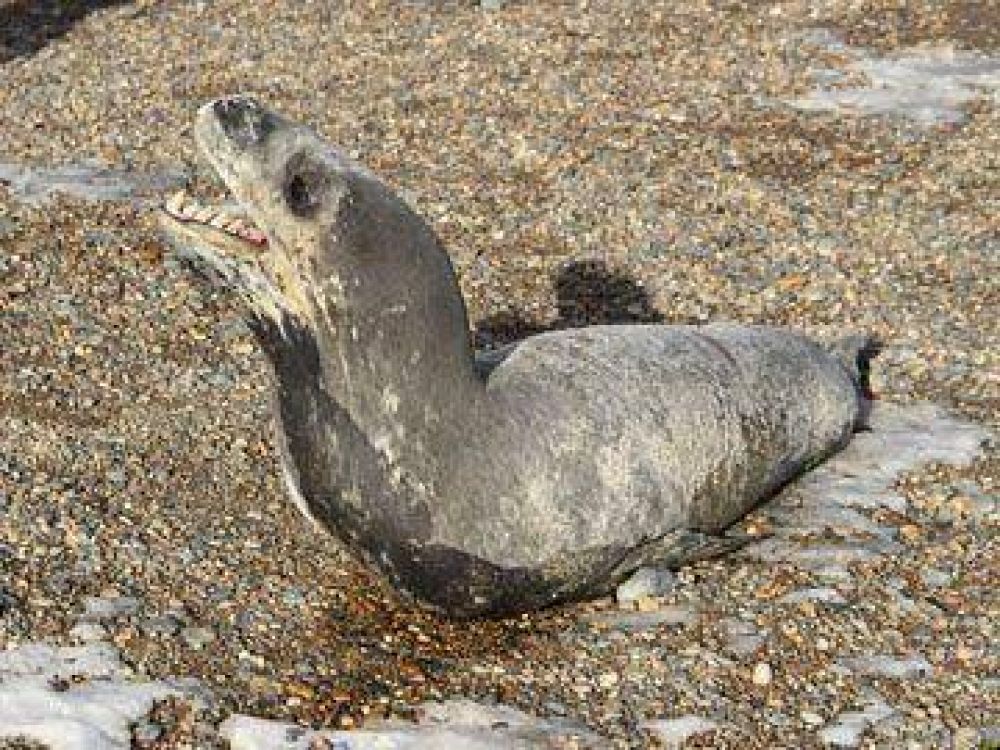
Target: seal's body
(545,476)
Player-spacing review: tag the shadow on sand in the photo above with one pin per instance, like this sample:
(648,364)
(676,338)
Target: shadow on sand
(28,25)
(587,293)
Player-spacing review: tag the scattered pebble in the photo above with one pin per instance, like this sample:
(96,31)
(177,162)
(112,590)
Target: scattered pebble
(762,674)
(88,631)
(889,666)
(163,626)
(811,718)
(197,638)
(822,595)
(742,638)
(108,608)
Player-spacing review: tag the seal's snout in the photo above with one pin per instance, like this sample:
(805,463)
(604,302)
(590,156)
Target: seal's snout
(242,120)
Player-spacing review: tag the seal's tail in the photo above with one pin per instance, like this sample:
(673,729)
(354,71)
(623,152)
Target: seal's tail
(855,352)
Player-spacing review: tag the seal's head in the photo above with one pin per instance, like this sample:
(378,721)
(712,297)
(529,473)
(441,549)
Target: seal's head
(318,238)
(334,270)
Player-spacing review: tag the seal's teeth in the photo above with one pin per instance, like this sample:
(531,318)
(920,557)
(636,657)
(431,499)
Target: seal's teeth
(186,208)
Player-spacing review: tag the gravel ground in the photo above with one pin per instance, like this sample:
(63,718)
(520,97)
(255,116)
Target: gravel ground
(584,162)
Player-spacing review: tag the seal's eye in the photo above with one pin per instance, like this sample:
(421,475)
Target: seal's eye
(298,195)
(305,185)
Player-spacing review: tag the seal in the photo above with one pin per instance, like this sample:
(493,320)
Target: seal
(490,485)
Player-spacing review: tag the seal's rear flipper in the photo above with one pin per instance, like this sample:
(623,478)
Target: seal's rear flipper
(856,352)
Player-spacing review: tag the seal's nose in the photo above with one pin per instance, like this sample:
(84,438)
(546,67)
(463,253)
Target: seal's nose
(242,119)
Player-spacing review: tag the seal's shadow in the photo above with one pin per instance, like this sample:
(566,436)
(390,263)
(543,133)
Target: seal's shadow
(587,293)
(28,25)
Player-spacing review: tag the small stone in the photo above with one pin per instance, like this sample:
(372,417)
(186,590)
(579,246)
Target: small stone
(811,718)
(646,604)
(935,578)
(877,665)
(145,733)
(965,738)
(911,532)
(824,595)
(108,608)
(87,631)
(607,680)
(197,638)
(964,654)
(164,626)
(644,583)
(633,622)
(762,673)
(742,639)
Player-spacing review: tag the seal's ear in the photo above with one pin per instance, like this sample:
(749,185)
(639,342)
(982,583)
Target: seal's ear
(306,184)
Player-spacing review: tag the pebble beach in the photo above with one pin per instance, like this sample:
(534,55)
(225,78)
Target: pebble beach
(832,166)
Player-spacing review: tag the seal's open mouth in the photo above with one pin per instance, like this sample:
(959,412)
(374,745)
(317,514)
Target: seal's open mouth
(244,244)
(207,221)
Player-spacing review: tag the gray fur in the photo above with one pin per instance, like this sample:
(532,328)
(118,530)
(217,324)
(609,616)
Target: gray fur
(495,486)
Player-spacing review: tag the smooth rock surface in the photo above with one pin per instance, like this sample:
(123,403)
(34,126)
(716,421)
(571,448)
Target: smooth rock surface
(673,733)
(87,630)
(847,728)
(836,495)
(928,84)
(72,698)
(455,725)
(742,638)
(634,622)
(877,665)
(89,181)
(108,607)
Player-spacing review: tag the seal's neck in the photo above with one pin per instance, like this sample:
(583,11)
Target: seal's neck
(379,300)
(405,371)
(399,365)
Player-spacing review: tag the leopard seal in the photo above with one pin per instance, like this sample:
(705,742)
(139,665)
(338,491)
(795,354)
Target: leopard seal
(490,485)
